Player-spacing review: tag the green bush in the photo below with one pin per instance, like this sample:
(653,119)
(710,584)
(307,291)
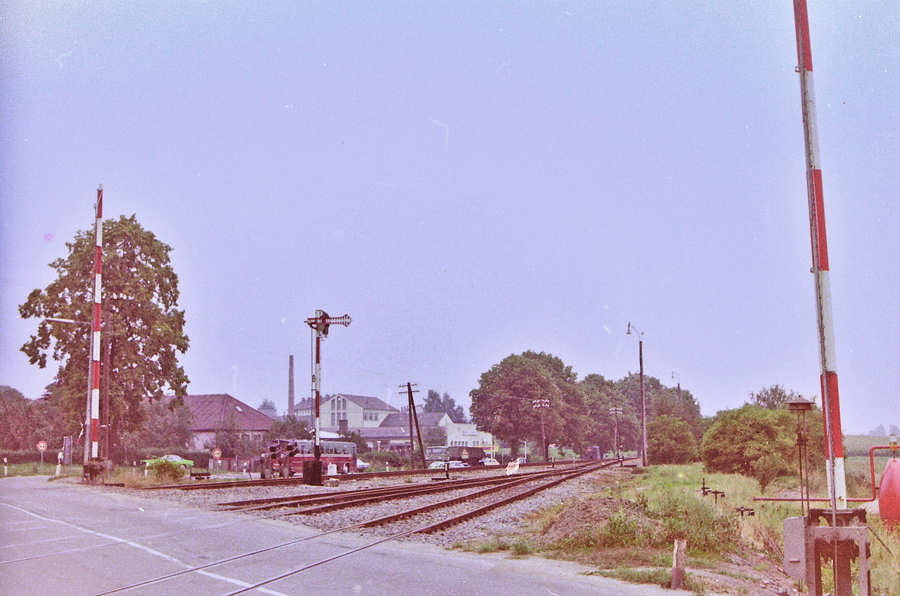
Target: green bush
(391,458)
(200,458)
(670,441)
(701,524)
(624,530)
(759,443)
(167,470)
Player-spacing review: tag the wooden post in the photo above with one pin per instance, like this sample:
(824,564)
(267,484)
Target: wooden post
(678,560)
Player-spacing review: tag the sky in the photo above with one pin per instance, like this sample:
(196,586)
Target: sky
(466,181)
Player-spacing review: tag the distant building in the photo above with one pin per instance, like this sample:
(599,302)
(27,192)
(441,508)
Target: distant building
(359,411)
(214,413)
(385,428)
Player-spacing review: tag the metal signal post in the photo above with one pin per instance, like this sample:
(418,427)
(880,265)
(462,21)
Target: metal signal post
(318,326)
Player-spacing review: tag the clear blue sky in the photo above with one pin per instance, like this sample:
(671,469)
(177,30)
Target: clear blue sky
(468,180)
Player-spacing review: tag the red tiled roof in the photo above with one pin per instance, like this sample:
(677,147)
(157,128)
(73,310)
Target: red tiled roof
(216,412)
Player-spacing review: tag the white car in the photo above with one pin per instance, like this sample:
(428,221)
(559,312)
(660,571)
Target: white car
(489,461)
(439,465)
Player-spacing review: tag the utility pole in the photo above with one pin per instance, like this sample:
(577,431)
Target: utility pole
(643,398)
(413,423)
(318,326)
(540,404)
(615,413)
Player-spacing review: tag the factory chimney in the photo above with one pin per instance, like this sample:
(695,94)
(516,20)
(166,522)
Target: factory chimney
(291,385)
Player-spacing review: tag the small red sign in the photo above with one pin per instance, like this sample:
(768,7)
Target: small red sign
(42,446)
(217,453)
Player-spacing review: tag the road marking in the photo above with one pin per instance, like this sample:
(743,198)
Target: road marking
(147,550)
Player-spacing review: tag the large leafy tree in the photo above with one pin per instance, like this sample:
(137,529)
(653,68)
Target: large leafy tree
(503,403)
(670,441)
(772,398)
(760,443)
(436,404)
(289,427)
(167,426)
(601,396)
(143,331)
(16,419)
(662,401)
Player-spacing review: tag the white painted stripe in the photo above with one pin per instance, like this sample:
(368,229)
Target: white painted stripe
(840,481)
(99,233)
(95,403)
(827,322)
(145,549)
(239,583)
(98,287)
(95,355)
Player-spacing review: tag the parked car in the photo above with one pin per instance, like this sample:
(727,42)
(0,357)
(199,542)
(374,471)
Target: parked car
(489,461)
(454,464)
(175,459)
(361,465)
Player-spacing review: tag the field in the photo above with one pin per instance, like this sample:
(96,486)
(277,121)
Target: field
(626,529)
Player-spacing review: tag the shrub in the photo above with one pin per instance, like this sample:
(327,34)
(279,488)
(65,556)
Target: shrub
(701,524)
(166,470)
(758,443)
(670,441)
(391,458)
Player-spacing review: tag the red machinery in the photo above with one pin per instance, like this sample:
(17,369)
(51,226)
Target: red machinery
(889,495)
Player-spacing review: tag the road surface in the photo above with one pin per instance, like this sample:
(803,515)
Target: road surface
(66,539)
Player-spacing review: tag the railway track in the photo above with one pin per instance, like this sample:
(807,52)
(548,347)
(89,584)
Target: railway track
(479,497)
(319,502)
(449,503)
(357,477)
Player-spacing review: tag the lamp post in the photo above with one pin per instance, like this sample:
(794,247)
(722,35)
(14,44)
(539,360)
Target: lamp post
(540,404)
(643,399)
(614,412)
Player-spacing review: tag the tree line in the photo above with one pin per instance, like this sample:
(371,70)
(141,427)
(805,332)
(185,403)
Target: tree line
(526,397)
(535,397)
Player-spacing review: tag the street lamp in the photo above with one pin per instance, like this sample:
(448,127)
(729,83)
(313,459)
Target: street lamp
(643,399)
(615,412)
(540,404)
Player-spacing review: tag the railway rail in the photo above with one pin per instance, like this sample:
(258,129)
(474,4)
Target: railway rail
(327,502)
(356,477)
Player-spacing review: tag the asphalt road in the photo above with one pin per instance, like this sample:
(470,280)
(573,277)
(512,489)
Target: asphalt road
(66,539)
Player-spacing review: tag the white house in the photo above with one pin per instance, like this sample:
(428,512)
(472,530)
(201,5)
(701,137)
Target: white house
(359,411)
